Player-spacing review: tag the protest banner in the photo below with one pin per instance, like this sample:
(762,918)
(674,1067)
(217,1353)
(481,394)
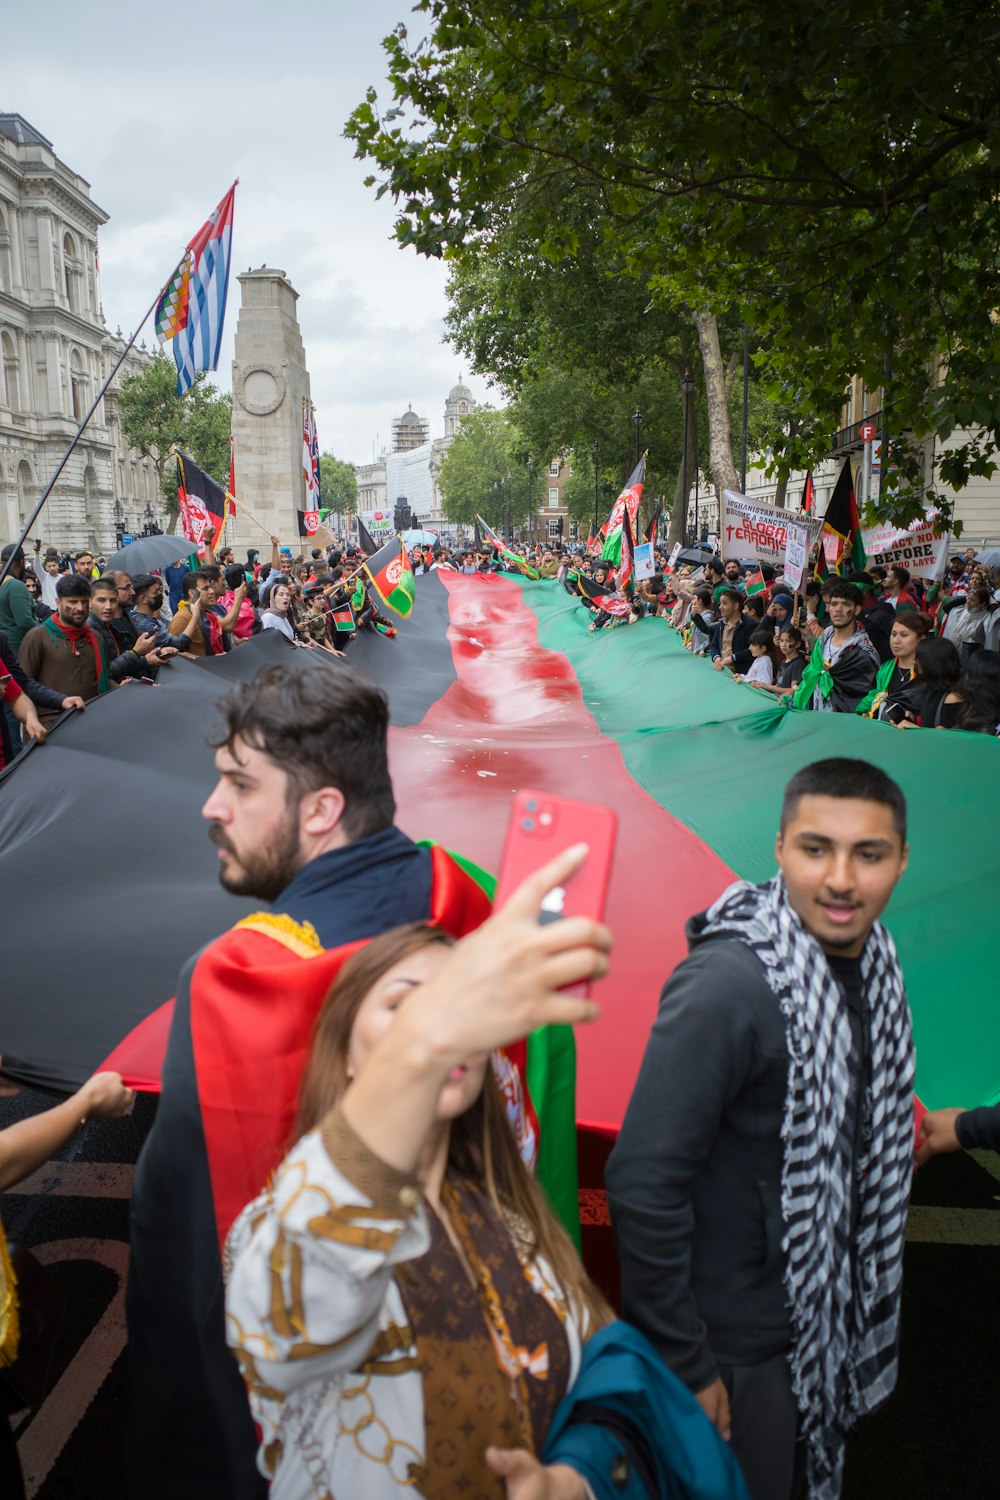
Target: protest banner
(752,529)
(643,558)
(796,550)
(379,524)
(675,553)
(922,549)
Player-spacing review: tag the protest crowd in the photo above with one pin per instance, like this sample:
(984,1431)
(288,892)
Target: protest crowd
(394,1303)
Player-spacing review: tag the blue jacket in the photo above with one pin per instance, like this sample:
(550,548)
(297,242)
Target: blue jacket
(741,643)
(635,1432)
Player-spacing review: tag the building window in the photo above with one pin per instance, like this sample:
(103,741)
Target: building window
(11,376)
(554,529)
(554,468)
(553,499)
(78,382)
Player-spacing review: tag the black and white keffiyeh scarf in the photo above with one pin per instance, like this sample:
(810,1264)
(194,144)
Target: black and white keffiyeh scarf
(843,1289)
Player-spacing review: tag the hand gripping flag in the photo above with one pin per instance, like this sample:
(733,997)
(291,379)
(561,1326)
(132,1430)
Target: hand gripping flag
(192,309)
(630,496)
(202,504)
(390,573)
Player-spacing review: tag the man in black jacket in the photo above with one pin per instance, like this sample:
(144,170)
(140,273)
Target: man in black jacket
(730,643)
(740,1188)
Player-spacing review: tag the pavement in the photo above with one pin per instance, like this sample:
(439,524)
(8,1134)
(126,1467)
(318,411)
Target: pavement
(937,1439)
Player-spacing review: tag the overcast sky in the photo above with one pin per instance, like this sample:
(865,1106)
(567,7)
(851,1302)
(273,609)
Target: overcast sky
(161,107)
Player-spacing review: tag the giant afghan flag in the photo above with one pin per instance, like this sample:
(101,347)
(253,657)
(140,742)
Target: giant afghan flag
(629,498)
(497,684)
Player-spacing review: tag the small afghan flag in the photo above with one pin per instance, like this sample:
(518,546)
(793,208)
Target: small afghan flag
(809,495)
(591,542)
(392,577)
(628,499)
(343,618)
(754,583)
(652,525)
(842,521)
(496,540)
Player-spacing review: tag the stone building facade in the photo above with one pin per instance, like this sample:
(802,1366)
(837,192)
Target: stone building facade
(413,473)
(270,384)
(371,484)
(55,353)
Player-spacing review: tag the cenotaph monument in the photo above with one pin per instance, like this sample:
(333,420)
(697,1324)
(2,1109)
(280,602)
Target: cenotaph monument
(270,382)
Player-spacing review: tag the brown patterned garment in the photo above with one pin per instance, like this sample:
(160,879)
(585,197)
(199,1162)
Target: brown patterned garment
(469,1401)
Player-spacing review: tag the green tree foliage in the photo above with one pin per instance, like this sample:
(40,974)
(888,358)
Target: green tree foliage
(827,175)
(338,484)
(486,471)
(157,421)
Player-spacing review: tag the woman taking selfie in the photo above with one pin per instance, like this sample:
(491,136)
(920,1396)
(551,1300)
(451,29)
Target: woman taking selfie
(405,1307)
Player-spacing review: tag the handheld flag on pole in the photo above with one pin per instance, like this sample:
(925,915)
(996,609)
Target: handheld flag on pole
(496,540)
(809,495)
(842,521)
(477,539)
(629,498)
(308,522)
(366,541)
(192,309)
(391,575)
(202,504)
(649,535)
(626,567)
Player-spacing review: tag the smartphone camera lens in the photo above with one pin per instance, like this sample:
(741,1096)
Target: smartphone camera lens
(528,824)
(532,806)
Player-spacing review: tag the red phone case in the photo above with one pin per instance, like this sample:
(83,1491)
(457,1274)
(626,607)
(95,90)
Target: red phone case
(542,825)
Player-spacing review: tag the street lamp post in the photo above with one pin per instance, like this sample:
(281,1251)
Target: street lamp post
(686,385)
(597,483)
(637,419)
(531,507)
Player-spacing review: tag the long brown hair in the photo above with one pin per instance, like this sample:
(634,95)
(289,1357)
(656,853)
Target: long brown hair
(481,1145)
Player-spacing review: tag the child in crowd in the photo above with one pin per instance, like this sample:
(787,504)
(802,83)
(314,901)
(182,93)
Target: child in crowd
(791,646)
(761,673)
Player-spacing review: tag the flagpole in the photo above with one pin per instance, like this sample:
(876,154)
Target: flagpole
(30,522)
(249,513)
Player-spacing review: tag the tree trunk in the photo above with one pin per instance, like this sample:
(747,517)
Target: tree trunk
(679,509)
(720,440)
(781,491)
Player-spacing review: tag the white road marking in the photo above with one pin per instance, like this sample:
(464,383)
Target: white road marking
(52,1426)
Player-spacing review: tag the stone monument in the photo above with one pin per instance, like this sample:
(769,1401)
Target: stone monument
(270,383)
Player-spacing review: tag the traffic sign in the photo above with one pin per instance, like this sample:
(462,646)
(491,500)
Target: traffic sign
(867,431)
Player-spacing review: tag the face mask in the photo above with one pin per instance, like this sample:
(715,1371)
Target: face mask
(156,601)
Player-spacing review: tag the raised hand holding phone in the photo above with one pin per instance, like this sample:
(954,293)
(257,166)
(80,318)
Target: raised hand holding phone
(542,824)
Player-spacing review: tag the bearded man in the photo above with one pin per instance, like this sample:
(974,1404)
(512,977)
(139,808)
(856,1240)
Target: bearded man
(302,818)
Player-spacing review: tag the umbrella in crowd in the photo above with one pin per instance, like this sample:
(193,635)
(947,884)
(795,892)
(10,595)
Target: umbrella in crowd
(149,554)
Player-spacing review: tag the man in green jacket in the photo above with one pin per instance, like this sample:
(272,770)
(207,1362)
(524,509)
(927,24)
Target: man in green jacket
(17,611)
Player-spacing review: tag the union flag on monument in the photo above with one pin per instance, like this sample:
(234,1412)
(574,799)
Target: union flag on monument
(630,496)
(392,577)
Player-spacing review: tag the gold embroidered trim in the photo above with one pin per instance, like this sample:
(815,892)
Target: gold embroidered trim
(300,937)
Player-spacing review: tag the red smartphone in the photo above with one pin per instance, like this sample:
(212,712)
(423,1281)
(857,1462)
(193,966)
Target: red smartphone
(542,825)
